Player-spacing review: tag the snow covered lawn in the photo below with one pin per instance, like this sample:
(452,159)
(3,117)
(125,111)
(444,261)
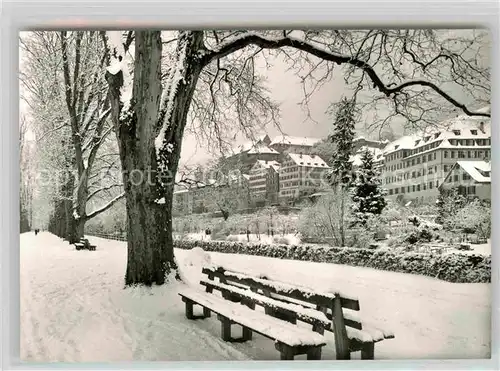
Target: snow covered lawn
(74,308)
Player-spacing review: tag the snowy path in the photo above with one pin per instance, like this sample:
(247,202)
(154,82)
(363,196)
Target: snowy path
(74,308)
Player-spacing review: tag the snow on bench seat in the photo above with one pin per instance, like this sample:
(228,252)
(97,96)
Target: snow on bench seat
(308,314)
(271,327)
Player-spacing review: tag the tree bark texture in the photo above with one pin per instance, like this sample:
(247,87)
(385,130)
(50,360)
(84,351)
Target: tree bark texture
(149,222)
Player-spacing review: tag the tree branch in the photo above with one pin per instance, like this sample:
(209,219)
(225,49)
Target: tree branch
(241,42)
(105,207)
(103,189)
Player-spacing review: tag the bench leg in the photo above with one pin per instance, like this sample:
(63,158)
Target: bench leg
(189,309)
(287,353)
(314,354)
(341,340)
(206,312)
(247,334)
(368,351)
(225,328)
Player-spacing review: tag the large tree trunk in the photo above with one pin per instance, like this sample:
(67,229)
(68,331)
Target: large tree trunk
(149,177)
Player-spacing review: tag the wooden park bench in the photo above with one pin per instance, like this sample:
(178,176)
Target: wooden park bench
(84,244)
(284,305)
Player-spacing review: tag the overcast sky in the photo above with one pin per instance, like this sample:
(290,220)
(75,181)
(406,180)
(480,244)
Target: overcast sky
(286,88)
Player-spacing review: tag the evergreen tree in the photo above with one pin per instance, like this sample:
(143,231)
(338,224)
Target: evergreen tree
(341,176)
(448,203)
(368,195)
(342,138)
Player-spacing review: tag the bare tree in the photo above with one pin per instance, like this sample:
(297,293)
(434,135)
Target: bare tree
(26,178)
(151,107)
(67,96)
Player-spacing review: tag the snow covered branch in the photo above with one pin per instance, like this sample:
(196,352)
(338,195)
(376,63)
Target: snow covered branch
(389,90)
(107,188)
(105,207)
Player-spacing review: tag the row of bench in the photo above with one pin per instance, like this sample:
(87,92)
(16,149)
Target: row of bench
(84,244)
(295,317)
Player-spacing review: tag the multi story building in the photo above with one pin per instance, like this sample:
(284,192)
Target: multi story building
(471,178)
(249,152)
(362,142)
(301,175)
(289,144)
(416,165)
(264,182)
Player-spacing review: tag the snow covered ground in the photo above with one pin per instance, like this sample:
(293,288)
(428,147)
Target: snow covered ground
(74,308)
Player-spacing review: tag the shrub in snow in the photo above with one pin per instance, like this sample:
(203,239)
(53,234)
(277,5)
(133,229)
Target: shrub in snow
(449,267)
(286,240)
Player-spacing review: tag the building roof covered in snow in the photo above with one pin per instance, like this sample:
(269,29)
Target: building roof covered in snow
(275,165)
(308,160)
(295,141)
(258,144)
(480,171)
(460,127)
(356,158)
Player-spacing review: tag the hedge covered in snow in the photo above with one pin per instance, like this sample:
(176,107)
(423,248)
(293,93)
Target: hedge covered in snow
(458,268)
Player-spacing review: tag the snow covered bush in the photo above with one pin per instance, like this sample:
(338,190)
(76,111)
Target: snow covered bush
(287,240)
(475,217)
(449,267)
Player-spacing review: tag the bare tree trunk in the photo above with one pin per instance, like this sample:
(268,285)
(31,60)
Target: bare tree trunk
(149,177)
(342,216)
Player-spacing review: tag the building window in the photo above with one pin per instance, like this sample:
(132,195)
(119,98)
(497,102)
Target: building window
(456,132)
(434,155)
(452,154)
(471,190)
(413,188)
(455,178)
(445,154)
(430,185)
(473,132)
(402,189)
(418,187)
(424,186)
(413,162)
(418,160)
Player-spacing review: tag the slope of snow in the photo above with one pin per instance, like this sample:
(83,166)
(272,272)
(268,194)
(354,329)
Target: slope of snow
(74,308)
